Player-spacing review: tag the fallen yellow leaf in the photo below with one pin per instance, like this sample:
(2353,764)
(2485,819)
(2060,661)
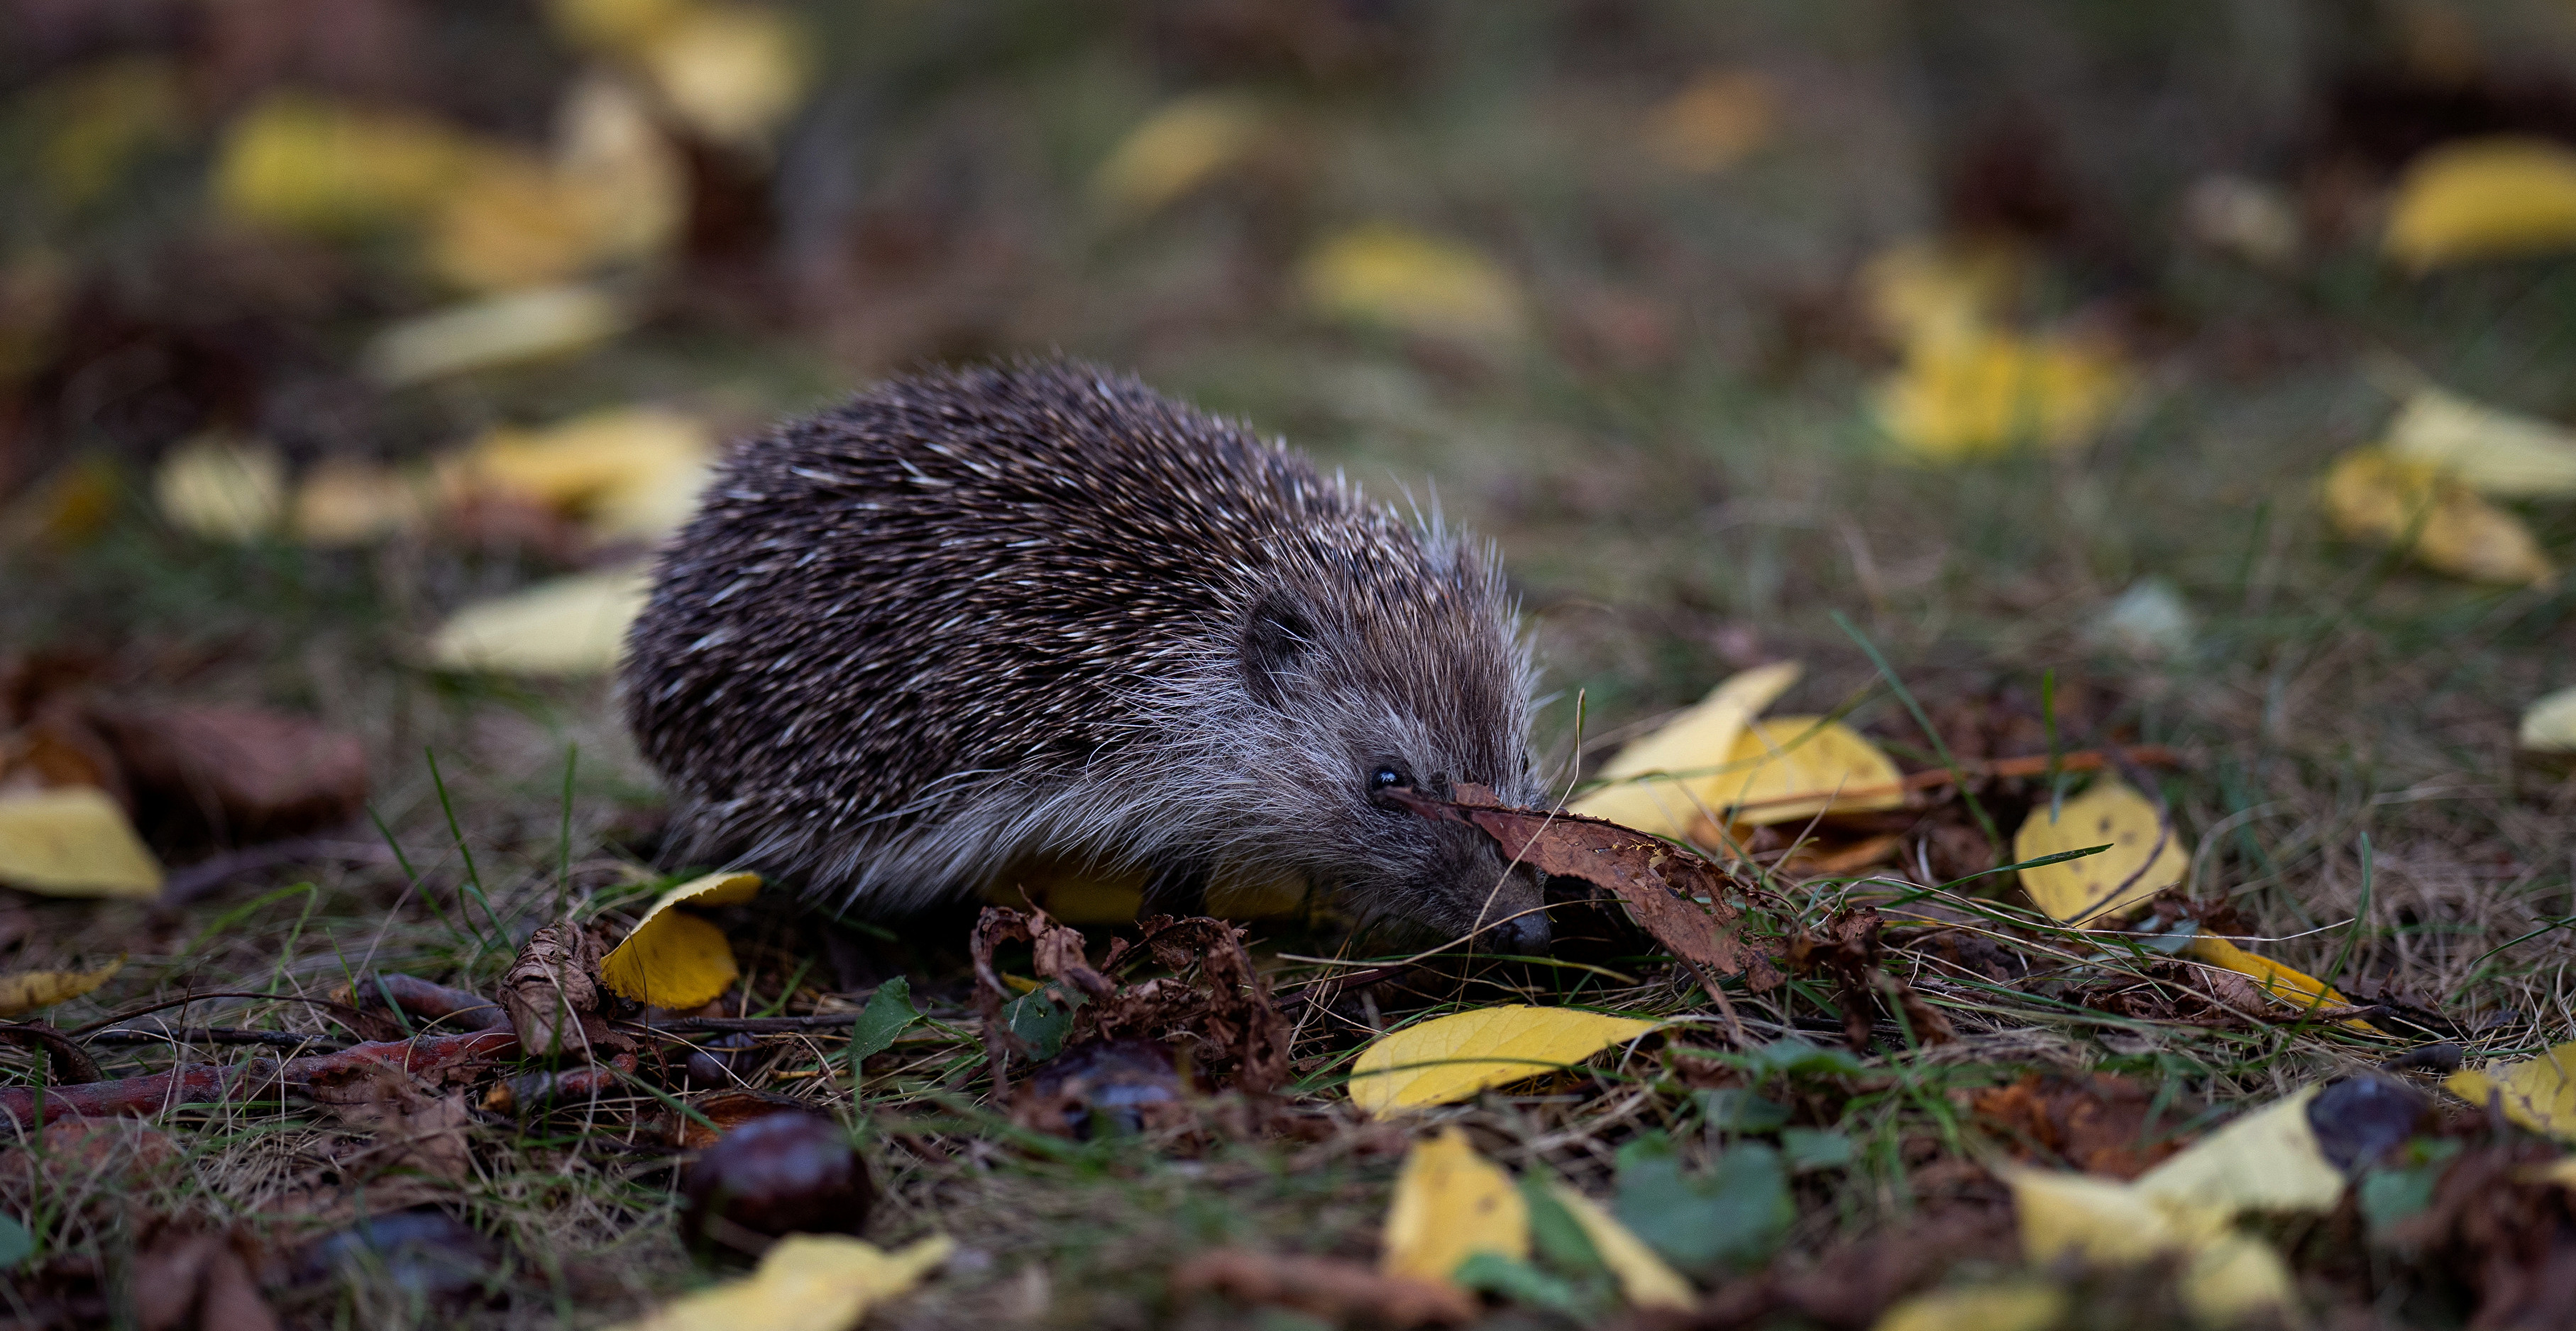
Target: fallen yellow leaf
(2549,724)
(344,502)
(615,25)
(221,488)
(1791,768)
(2237,1278)
(629,471)
(2539,1093)
(805,1282)
(516,223)
(2561,1171)
(501,330)
(573,625)
(2267,1160)
(2093,1219)
(2294,987)
(607,144)
(1423,284)
(2143,858)
(731,72)
(672,959)
(26,991)
(2010,1306)
(1175,150)
(1667,780)
(1719,120)
(1921,291)
(1450,1058)
(1450,1204)
(2370,495)
(300,163)
(73,841)
(2492,452)
(1644,1278)
(2484,198)
(1982,394)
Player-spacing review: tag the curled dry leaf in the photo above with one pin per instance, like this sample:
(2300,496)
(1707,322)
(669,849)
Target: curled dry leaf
(1215,1003)
(1450,1204)
(1327,1287)
(416,1124)
(2101,1124)
(1846,951)
(73,842)
(1688,904)
(552,991)
(672,959)
(1451,1058)
(2145,857)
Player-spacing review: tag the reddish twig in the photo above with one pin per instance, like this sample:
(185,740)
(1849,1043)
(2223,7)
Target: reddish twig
(207,1083)
(421,998)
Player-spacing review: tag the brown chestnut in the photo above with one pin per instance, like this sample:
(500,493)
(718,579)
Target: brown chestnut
(777,1174)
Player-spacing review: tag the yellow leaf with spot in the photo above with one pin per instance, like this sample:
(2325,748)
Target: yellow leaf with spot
(302,163)
(2487,198)
(220,488)
(2268,1160)
(1719,120)
(627,471)
(1175,150)
(1450,1204)
(1921,291)
(2549,724)
(1786,768)
(672,959)
(574,625)
(805,1282)
(1984,393)
(26,991)
(731,72)
(2492,452)
(2143,858)
(1644,1279)
(1450,1058)
(1422,284)
(74,841)
(2011,1306)
(500,330)
(2371,495)
(1667,780)
(2539,1093)
(2294,987)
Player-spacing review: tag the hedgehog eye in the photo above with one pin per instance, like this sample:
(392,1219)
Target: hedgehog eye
(1387,775)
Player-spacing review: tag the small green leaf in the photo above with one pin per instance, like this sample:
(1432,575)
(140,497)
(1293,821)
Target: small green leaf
(1815,1148)
(1797,1058)
(1554,1231)
(889,1013)
(15,1242)
(1042,1017)
(1522,1283)
(2403,1187)
(1730,1216)
(1735,1109)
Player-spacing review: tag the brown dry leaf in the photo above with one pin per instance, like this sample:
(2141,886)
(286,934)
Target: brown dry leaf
(552,990)
(1216,1002)
(238,773)
(1688,904)
(2373,496)
(1327,1287)
(2101,1124)
(180,1273)
(416,1126)
(1450,1204)
(1719,120)
(73,842)
(22,992)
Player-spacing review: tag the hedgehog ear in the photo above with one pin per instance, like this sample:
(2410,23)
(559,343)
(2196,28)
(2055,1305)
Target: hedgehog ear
(1278,637)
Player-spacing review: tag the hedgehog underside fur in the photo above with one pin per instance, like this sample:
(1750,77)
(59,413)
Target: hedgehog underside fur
(972,618)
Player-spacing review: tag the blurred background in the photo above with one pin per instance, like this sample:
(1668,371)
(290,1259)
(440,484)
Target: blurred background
(352,351)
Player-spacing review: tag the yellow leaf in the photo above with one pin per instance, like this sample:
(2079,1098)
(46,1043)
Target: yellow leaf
(98,119)
(573,625)
(2538,1093)
(675,960)
(2373,496)
(26,991)
(2012,1306)
(2549,724)
(2561,1171)
(2484,199)
(1422,284)
(1810,763)
(615,25)
(631,471)
(1450,1058)
(731,72)
(2296,988)
(69,507)
(2238,1278)
(2096,889)
(300,163)
(1071,891)
(1690,748)
(221,489)
(1450,1204)
(1643,1277)
(1982,394)
(516,223)
(1939,290)
(607,145)
(501,330)
(2267,1160)
(2093,1219)
(805,1282)
(1719,120)
(73,841)
(1174,151)
(2492,452)
(343,502)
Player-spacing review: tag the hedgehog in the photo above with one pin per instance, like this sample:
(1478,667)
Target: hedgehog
(976,619)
